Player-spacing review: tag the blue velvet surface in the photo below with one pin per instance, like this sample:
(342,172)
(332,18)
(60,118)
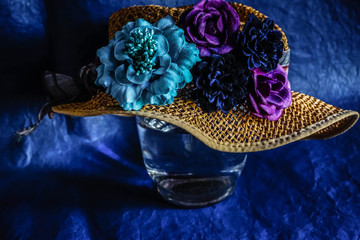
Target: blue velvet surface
(83,178)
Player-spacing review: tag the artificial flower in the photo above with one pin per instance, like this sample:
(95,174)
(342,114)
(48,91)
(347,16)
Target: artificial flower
(146,63)
(212,25)
(269,93)
(220,83)
(260,46)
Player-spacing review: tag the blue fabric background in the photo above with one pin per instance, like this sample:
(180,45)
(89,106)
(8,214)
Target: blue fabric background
(83,178)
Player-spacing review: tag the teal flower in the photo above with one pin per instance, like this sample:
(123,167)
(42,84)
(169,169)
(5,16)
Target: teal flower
(146,63)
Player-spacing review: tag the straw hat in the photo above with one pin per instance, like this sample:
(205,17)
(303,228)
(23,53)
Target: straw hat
(237,130)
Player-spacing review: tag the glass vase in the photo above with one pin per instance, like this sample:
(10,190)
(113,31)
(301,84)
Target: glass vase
(186,171)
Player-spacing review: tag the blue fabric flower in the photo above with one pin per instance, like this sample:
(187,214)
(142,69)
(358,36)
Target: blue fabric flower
(220,83)
(146,63)
(260,46)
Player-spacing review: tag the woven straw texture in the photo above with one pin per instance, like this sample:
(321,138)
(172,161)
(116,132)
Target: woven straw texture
(152,13)
(237,131)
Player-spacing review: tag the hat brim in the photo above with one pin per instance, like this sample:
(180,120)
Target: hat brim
(237,131)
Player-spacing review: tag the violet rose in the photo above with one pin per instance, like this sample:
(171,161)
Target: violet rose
(212,25)
(269,93)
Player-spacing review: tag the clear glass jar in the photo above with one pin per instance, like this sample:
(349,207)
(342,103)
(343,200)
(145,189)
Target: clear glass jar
(186,172)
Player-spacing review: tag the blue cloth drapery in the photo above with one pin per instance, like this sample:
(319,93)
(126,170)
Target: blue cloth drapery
(82,178)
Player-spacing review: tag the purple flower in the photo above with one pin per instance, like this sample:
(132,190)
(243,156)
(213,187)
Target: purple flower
(212,25)
(269,93)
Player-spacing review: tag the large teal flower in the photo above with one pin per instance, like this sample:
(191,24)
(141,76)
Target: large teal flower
(146,63)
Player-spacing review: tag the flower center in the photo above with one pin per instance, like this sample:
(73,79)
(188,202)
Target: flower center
(141,47)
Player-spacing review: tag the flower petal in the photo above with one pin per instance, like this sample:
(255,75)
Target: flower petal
(124,57)
(104,78)
(195,38)
(220,24)
(120,75)
(138,104)
(277,86)
(234,24)
(268,109)
(264,88)
(187,77)
(201,28)
(107,57)
(131,93)
(211,29)
(137,79)
(119,52)
(188,56)
(287,96)
(162,45)
(120,46)
(143,23)
(100,71)
(142,78)
(165,23)
(222,49)
(276,100)
(176,40)
(125,30)
(127,95)
(196,17)
(130,73)
(254,105)
(199,6)
(213,40)
(275,116)
(166,82)
(165,62)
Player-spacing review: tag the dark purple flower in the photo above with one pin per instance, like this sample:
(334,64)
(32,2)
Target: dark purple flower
(269,93)
(260,45)
(212,25)
(220,83)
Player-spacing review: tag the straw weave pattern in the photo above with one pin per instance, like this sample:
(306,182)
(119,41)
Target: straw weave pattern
(237,131)
(153,13)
